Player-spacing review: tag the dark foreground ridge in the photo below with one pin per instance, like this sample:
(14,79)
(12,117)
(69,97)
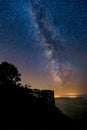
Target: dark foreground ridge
(20,108)
(23,107)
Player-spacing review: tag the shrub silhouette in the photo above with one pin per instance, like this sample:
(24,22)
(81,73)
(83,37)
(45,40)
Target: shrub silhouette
(9,74)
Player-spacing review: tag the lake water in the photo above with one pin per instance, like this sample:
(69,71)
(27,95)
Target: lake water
(75,108)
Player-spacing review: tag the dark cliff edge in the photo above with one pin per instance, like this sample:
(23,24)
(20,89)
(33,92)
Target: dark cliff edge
(23,107)
(31,108)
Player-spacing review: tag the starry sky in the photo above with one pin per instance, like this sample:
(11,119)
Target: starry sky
(47,41)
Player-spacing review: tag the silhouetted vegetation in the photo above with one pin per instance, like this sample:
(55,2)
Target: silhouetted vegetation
(21,106)
(9,74)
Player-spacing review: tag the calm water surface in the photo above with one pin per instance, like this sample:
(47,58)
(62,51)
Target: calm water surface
(75,108)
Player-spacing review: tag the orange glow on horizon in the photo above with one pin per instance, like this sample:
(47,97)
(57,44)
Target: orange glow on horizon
(56,96)
(69,95)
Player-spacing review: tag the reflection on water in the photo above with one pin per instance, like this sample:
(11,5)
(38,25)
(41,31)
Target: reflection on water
(73,107)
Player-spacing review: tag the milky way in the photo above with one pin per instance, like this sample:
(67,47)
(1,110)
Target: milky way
(53,46)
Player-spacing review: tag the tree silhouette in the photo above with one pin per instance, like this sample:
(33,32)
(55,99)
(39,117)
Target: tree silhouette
(9,74)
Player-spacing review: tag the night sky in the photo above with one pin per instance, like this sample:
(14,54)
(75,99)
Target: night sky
(47,41)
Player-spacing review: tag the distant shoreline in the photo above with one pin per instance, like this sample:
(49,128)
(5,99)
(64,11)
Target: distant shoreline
(72,97)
